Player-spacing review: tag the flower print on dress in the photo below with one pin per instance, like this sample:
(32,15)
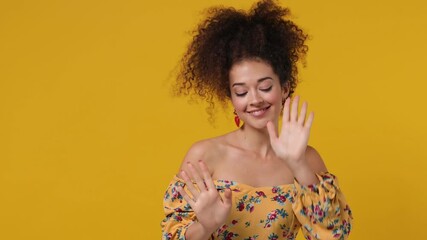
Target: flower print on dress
(260,194)
(247,224)
(254,237)
(167,196)
(273,236)
(307,206)
(248,203)
(273,216)
(181,213)
(169,236)
(281,196)
(221,231)
(221,184)
(287,232)
(340,230)
(166,236)
(314,212)
(310,230)
(227,235)
(174,192)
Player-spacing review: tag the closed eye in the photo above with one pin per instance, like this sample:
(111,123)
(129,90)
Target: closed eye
(266,89)
(241,94)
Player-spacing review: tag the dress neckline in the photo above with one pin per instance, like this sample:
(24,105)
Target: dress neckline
(222,183)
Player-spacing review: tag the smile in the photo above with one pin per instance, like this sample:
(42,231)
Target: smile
(258,112)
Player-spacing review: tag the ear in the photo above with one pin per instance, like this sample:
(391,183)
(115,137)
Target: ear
(285,90)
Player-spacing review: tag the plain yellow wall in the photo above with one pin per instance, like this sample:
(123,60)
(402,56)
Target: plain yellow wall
(90,135)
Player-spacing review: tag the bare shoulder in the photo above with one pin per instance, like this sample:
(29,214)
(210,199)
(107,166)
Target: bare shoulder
(315,160)
(206,150)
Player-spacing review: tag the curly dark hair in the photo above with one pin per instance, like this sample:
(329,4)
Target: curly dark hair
(228,36)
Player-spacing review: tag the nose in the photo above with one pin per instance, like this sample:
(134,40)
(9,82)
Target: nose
(255,98)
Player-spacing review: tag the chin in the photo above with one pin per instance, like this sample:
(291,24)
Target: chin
(260,122)
(259,125)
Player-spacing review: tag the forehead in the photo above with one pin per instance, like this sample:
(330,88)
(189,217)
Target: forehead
(248,71)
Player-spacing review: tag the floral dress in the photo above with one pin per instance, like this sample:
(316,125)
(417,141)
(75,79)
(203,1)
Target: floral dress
(277,212)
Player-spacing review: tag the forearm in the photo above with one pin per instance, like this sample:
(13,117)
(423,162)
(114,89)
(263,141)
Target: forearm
(197,232)
(304,175)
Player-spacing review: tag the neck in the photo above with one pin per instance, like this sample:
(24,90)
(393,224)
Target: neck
(256,140)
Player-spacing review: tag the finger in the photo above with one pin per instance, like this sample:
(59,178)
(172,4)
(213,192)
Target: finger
(309,121)
(302,114)
(206,176)
(294,110)
(271,131)
(286,110)
(227,197)
(185,196)
(197,178)
(190,185)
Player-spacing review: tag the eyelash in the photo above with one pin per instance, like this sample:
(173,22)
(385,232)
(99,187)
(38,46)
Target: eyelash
(264,90)
(267,89)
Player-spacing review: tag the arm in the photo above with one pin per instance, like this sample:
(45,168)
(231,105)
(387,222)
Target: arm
(291,144)
(318,202)
(319,205)
(198,192)
(306,173)
(180,221)
(322,209)
(178,213)
(211,210)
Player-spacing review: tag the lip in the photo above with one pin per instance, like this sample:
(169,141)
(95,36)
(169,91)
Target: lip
(258,112)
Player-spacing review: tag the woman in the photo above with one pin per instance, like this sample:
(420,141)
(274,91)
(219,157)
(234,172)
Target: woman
(255,182)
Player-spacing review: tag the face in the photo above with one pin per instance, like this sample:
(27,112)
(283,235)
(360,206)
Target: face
(256,93)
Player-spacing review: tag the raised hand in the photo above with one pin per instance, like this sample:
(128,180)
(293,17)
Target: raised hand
(292,141)
(210,209)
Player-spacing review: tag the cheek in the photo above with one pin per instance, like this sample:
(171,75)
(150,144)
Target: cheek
(274,97)
(238,104)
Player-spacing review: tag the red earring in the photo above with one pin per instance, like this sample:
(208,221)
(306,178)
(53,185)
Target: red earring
(236,119)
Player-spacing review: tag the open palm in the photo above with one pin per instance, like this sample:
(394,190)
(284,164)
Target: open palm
(292,141)
(210,209)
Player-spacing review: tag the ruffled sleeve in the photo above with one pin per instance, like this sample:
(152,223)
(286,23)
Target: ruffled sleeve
(322,209)
(178,213)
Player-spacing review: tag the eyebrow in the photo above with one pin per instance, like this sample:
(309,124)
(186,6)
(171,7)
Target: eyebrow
(259,80)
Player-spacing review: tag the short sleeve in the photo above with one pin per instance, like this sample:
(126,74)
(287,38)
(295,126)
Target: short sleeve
(322,209)
(178,213)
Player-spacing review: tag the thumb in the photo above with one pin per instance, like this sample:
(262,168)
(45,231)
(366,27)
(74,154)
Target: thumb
(271,131)
(227,197)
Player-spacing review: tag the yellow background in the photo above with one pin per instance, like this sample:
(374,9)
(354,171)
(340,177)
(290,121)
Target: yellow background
(90,135)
